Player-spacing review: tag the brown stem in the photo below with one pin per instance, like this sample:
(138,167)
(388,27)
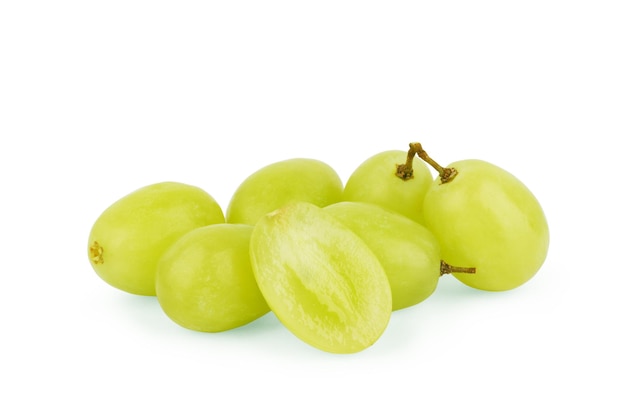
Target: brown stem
(445,268)
(405,171)
(446,174)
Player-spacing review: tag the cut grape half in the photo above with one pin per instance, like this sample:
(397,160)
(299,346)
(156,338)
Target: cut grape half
(320,279)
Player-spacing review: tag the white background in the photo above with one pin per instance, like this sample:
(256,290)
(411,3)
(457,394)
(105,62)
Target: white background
(100,98)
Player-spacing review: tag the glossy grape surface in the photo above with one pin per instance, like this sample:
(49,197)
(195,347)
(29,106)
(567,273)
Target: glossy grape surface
(320,279)
(129,237)
(205,281)
(277,184)
(408,252)
(375,181)
(487,218)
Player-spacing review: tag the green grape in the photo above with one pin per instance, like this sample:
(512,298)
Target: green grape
(320,279)
(205,282)
(408,252)
(378,181)
(128,238)
(484,216)
(282,182)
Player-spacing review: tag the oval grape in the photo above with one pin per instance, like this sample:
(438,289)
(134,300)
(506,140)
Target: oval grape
(487,218)
(298,179)
(205,281)
(128,238)
(408,252)
(375,181)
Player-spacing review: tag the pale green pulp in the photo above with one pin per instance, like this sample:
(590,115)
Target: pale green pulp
(320,279)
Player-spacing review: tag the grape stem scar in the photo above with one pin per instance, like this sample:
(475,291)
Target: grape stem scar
(96,251)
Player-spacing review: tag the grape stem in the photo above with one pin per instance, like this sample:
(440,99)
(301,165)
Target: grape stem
(446,174)
(405,171)
(445,268)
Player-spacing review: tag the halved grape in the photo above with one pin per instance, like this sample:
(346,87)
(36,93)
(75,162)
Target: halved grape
(377,181)
(320,279)
(408,252)
(205,281)
(277,184)
(129,237)
(484,216)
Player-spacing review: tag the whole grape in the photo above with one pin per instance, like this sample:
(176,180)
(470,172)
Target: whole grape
(408,252)
(485,217)
(389,180)
(282,182)
(205,281)
(128,238)
(320,279)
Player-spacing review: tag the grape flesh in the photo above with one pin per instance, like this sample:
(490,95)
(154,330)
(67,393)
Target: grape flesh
(320,279)
(408,252)
(375,181)
(487,218)
(205,281)
(298,179)
(128,238)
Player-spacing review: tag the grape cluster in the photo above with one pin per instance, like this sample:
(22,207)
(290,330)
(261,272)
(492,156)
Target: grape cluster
(332,262)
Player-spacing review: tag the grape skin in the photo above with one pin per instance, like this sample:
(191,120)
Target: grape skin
(205,281)
(128,238)
(408,252)
(375,181)
(298,179)
(487,218)
(320,279)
